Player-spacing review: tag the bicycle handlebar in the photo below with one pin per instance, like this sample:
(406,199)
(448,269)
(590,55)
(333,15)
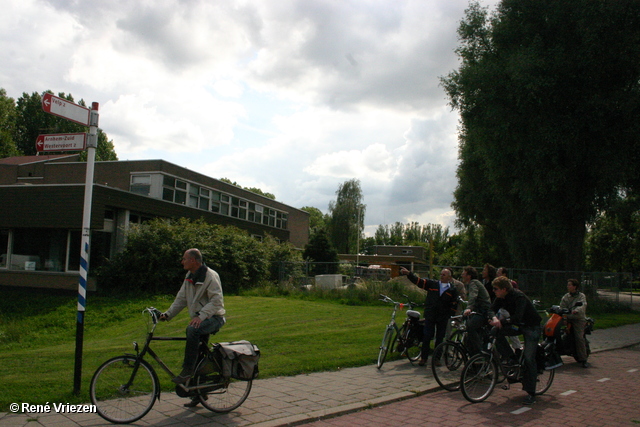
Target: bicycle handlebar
(154,313)
(411,304)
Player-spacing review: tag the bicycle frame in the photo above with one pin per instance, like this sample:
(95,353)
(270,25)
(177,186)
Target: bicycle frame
(146,349)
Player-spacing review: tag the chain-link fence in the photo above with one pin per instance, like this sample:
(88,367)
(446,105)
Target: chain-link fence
(545,285)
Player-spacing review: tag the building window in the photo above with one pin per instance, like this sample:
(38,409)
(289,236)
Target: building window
(45,250)
(141,184)
(205,196)
(4,247)
(174,190)
(194,196)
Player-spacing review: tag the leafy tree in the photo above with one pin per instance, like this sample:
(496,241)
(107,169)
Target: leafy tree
(366,245)
(613,241)
(321,253)
(317,220)
(346,213)
(548,95)
(7,125)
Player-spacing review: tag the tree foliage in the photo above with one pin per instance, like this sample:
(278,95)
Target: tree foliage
(613,241)
(347,212)
(548,95)
(321,253)
(150,261)
(317,220)
(7,125)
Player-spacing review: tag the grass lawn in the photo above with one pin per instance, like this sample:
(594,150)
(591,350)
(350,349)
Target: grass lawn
(37,338)
(294,337)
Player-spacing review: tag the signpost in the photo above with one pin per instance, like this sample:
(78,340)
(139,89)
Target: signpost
(61,142)
(66,109)
(87,117)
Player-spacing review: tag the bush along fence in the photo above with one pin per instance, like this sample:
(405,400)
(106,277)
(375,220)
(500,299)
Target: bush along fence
(545,285)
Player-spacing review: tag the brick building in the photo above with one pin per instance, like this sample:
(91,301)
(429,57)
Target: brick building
(41,207)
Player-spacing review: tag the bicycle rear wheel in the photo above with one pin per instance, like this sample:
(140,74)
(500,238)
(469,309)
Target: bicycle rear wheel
(385,346)
(410,344)
(447,364)
(544,380)
(120,396)
(222,394)
(479,378)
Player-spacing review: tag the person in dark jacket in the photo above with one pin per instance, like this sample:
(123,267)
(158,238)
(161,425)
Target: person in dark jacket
(478,308)
(441,303)
(522,319)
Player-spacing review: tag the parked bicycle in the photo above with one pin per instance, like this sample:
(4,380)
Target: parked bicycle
(450,356)
(125,388)
(483,371)
(408,338)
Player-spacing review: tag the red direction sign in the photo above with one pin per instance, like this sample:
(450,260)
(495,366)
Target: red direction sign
(62,108)
(61,142)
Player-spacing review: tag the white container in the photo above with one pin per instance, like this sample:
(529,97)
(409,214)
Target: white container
(329,281)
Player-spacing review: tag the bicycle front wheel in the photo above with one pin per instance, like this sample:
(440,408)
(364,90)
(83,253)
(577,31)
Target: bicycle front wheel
(385,346)
(447,364)
(221,394)
(123,392)
(544,380)
(479,378)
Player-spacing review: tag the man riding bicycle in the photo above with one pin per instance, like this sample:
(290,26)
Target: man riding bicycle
(525,320)
(201,293)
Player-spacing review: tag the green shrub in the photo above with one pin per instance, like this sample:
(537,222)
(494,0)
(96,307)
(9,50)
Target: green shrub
(150,261)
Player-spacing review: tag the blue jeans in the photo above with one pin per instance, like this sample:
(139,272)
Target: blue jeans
(531,337)
(207,327)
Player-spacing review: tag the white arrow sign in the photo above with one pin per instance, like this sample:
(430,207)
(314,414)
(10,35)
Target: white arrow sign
(61,142)
(62,108)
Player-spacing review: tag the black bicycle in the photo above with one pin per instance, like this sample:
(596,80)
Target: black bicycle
(450,356)
(124,388)
(483,371)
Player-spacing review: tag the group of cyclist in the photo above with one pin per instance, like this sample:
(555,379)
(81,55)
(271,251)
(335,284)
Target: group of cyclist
(496,302)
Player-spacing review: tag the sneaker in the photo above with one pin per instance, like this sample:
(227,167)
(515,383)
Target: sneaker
(529,400)
(586,364)
(422,362)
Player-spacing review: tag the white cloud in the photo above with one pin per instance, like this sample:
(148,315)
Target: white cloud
(291,96)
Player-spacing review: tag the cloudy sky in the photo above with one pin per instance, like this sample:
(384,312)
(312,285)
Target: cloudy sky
(291,96)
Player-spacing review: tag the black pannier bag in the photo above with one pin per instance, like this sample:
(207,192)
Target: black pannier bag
(237,359)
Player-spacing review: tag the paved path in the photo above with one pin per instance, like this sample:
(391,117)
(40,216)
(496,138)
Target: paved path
(303,398)
(604,395)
